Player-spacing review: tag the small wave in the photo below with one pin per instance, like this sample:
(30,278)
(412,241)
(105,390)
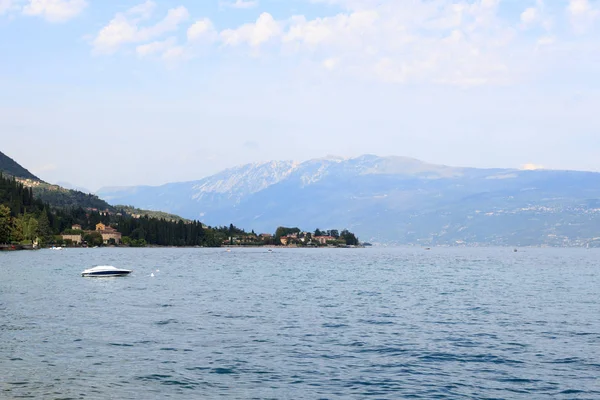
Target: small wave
(153,377)
(389,350)
(375,322)
(329,325)
(167,322)
(169,380)
(146,342)
(197,368)
(569,360)
(478,358)
(368,293)
(572,391)
(223,371)
(516,380)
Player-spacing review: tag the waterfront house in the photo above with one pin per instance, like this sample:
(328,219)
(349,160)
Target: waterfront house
(108,233)
(323,239)
(75,239)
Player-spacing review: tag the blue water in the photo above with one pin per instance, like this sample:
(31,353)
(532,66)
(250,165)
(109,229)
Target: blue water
(301,324)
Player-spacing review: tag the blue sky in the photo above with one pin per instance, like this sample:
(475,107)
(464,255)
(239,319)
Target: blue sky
(104,93)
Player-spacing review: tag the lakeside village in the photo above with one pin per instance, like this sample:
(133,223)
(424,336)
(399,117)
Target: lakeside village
(104,235)
(107,228)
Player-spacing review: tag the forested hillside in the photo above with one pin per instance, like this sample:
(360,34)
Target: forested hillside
(57,196)
(11,167)
(25,219)
(53,195)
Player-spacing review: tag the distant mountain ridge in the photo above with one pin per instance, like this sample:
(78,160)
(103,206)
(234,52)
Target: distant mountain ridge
(389,200)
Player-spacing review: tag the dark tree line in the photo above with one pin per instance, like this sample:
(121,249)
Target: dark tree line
(165,233)
(16,197)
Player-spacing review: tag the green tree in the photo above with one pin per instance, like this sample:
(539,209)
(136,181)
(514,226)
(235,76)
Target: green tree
(283,231)
(138,234)
(5,224)
(44,230)
(94,239)
(25,228)
(349,238)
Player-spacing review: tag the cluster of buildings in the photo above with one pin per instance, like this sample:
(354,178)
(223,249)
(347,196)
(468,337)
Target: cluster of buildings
(107,233)
(305,238)
(250,238)
(103,212)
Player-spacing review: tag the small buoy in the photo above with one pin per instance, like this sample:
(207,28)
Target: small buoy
(152,275)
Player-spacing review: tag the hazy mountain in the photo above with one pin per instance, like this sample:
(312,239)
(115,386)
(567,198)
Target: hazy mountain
(70,186)
(389,199)
(11,167)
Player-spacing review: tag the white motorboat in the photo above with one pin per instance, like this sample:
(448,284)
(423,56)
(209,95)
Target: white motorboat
(105,271)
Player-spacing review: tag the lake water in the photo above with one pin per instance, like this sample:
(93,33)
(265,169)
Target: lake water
(450,323)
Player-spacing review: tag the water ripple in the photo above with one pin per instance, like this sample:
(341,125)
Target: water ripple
(302,324)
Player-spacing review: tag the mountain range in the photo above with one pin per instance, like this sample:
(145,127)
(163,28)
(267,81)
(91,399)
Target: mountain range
(394,200)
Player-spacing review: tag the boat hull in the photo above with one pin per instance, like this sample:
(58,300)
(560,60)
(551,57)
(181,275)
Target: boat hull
(105,274)
(105,271)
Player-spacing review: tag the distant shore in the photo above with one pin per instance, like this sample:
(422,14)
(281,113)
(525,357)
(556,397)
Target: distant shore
(20,247)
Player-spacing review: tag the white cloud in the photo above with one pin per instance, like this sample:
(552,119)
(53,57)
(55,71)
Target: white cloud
(55,10)
(143,10)
(254,34)
(537,15)
(582,14)
(203,28)
(125,27)
(530,15)
(343,29)
(448,42)
(174,54)
(452,42)
(241,4)
(158,46)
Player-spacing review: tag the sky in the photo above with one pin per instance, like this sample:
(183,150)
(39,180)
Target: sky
(110,93)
